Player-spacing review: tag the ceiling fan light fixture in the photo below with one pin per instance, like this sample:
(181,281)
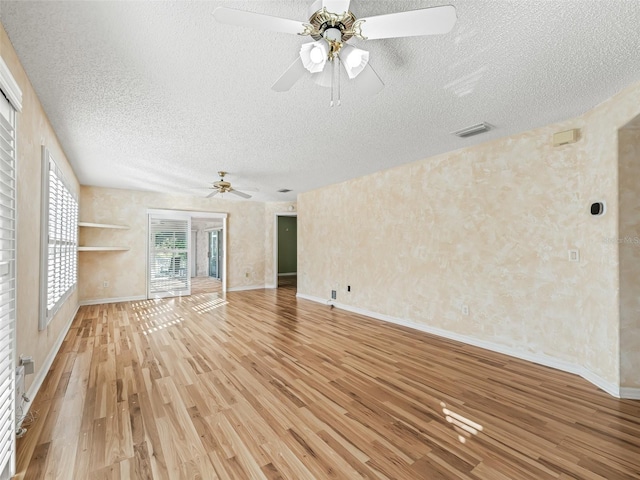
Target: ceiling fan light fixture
(354,61)
(314,55)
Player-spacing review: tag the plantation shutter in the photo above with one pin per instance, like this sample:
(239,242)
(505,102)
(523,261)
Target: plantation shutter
(169,266)
(7,284)
(61,227)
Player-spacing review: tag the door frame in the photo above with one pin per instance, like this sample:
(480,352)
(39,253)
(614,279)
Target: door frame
(193,214)
(275,243)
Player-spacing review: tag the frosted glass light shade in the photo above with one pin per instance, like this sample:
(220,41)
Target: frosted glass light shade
(314,55)
(354,60)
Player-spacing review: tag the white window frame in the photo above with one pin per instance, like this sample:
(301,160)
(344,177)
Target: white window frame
(66,241)
(13,94)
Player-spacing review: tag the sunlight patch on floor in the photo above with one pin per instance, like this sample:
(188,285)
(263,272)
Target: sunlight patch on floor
(464,427)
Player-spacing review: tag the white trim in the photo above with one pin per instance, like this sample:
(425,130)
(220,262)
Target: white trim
(223,273)
(611,388)
(539,358)
(10,87)
(242,288)
(99,301)
(270,285)
(275,242)
(188,213)
(48,361)
(44,243)
(290,274)
(630,393)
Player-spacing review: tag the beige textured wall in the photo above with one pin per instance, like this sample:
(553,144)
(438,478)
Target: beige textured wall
(34,131)
(629,244)
(490,227)
(126,271)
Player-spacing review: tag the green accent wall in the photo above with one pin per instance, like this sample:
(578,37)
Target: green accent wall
(287,244)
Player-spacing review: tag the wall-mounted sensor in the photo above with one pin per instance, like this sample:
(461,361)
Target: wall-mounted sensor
(597,208)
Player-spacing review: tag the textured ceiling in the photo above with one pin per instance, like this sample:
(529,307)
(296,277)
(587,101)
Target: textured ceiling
(158,96)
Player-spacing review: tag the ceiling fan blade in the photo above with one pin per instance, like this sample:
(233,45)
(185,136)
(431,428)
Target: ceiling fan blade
(214,193)
(336,6)
(368,81)
(239,193)
(295,71)
(242,18)
(427,21)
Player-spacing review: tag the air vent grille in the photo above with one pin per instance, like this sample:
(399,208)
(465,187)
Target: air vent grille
(473,130)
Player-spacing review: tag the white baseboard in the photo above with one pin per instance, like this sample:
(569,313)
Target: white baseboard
(48,361)
(271,285)
(289,274)
(539,358)
(100,301)
(630,393)
(245,287)
(609,387)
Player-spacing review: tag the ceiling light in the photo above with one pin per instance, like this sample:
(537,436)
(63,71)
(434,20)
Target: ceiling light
(473,130)
(354,60)
(314,55)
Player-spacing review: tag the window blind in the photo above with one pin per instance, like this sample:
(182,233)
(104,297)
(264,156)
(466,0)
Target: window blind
(7,282)
(61,230)
(169,256)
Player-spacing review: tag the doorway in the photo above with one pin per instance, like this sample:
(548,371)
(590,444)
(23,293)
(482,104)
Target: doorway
(286,250)
(209,255)
(179,260)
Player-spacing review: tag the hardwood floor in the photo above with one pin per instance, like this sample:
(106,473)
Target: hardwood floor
(287,281)
(205,285)
(258,385)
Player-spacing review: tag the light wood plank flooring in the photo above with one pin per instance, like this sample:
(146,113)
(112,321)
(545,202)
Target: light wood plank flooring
(287,281)
(259,385)
(205,285)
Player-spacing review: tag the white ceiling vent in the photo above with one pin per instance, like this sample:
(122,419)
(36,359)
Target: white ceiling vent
(473,130)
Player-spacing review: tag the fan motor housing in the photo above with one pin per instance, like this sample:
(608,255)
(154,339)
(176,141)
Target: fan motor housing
(322,20)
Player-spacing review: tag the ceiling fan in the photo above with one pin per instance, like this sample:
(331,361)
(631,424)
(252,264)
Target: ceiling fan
(222,186)
(331,24)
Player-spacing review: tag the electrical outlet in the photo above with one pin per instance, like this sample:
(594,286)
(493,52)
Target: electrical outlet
(105,284)
(348,288)
(465,309)
(333,294)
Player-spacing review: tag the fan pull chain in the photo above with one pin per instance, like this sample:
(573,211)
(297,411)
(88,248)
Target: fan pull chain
(338,75)
(335,82)
(333,76)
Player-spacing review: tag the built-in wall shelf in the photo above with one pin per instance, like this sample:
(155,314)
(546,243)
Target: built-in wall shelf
(103,249)
(102,225)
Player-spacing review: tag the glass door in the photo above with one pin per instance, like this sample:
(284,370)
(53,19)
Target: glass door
(214,254)
(169,266)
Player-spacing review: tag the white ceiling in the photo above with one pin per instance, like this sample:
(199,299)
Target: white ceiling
(157,96)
